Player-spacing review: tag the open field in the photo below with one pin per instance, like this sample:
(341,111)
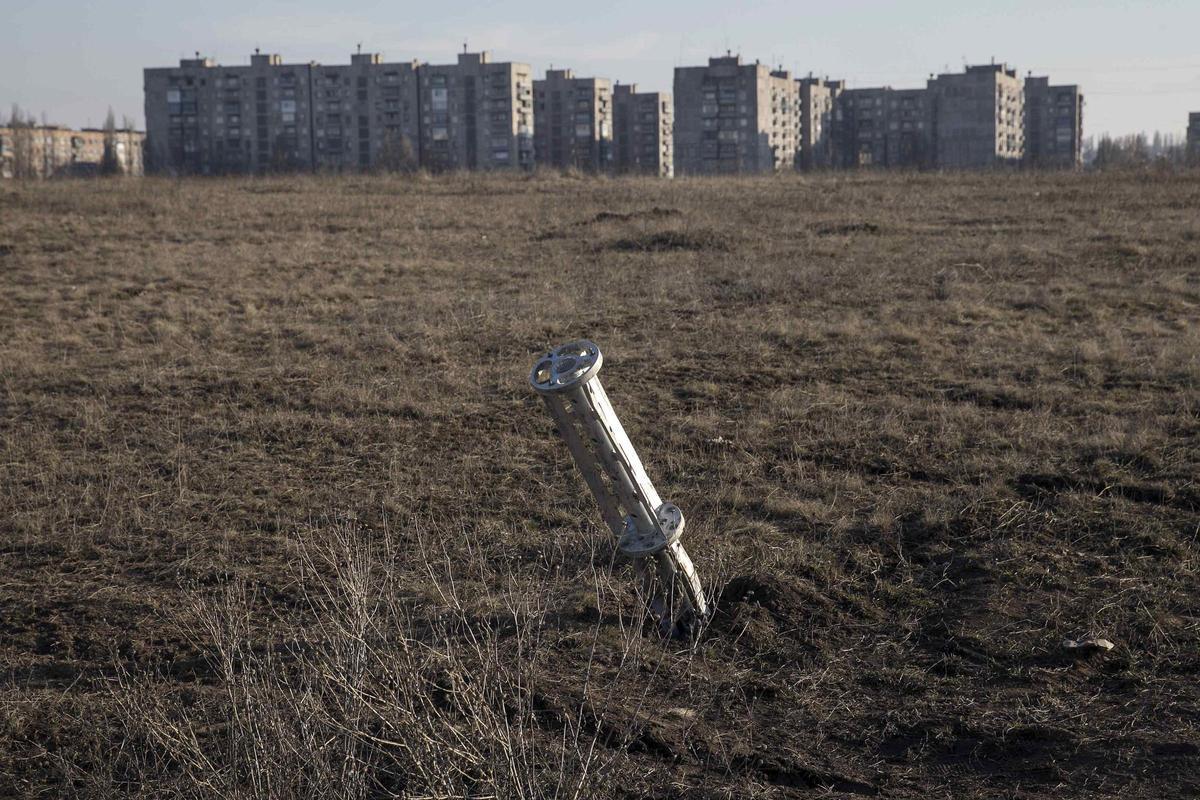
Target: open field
(280,515)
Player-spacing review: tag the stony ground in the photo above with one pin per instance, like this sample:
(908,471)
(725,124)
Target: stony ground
(280,516)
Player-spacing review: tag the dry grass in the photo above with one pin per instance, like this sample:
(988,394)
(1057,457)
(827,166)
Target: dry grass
(279,515)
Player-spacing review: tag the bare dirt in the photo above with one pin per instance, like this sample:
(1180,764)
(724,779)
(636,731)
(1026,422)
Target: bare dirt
(280,515)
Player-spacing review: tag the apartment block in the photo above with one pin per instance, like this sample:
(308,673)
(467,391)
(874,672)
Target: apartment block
(732,117)
(1053,125)
(978,117)
(573,122)
(643,132)
(476,114)
(50,151)
(203,118)
(365,115)
(817,99)
(883,127)
(1193,139)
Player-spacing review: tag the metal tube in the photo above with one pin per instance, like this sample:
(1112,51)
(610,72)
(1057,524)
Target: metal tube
(566,377)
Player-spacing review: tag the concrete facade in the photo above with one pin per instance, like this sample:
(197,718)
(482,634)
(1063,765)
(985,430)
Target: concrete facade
(978,118)
(724,117)
(1193,139)
(643,132)
(573,122)
(1053,125)
(476,114)
(202,118)
(365,115)
(818,97)
(732,117)
(883,127)
(48,151)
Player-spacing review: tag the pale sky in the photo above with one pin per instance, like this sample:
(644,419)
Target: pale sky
(1138,62)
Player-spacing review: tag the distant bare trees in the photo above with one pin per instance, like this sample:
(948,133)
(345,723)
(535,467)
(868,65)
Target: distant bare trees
(110,161)
(396,153)
(1138,150)
(22,158)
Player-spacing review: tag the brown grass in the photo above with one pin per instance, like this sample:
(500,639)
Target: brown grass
(279,515)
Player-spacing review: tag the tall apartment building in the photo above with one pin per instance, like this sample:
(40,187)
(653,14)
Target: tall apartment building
(1193,139)
(910,142)
(883,127)
(369,114)
(817,99)
(203,118)
(364,115)
(51,151)
(732,117)
(572,121)
(643,131)
(978,117)
(476,114)
(1053,125)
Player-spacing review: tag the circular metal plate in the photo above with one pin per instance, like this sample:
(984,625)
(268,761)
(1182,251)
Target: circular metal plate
(637,544)
(566,367)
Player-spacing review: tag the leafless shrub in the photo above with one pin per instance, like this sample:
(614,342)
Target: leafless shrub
(367,700)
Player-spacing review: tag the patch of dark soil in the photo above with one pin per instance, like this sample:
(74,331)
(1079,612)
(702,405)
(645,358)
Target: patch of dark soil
(274,188)
(781,599)
(1035,486)
(627,216)
(613,725)
(770,616)
(987,398)
(1034,754)
(695,240)
(6,250)
(783,772)
(847,228)
(1175,750)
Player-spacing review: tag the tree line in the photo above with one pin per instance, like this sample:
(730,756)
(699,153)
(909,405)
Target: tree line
(1138,150)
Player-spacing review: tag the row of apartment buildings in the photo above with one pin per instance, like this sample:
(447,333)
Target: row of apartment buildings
(371,114)
(724,117)
(49,151)
(746,117)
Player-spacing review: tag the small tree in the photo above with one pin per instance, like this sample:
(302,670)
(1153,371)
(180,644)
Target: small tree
(110,162)
(283,155)
(24,162)
(396,153)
